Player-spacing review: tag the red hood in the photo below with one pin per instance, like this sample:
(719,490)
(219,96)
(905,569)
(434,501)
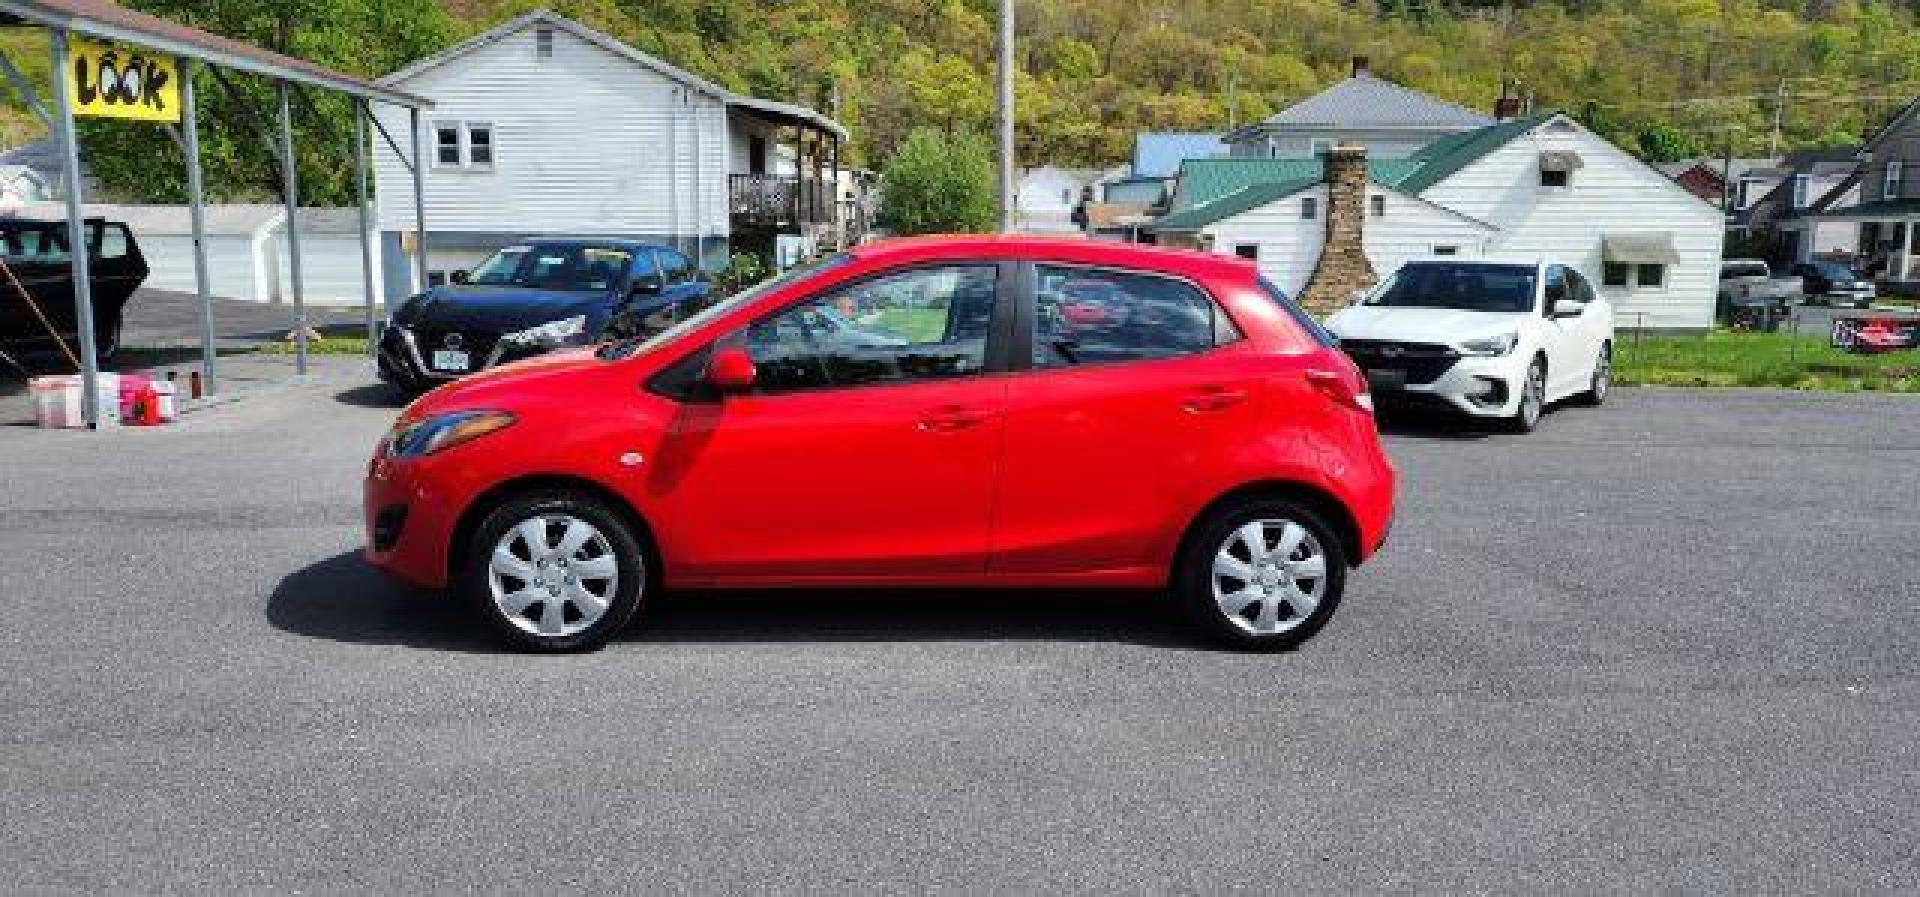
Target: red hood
(504,386)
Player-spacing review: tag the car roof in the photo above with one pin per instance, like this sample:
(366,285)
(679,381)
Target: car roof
(628,242)
(1060,249)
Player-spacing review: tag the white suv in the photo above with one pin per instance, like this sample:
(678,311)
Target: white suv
(1491,339)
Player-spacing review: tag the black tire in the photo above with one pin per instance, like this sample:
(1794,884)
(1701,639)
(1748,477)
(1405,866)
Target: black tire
(1533,400)
(1193,578)
(1602,382)
(632,559)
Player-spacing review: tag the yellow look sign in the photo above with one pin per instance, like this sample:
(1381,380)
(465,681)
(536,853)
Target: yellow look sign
(117,81)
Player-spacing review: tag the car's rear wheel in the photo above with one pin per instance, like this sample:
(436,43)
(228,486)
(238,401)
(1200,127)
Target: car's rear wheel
(554,571)
(1262,574)
(1533,399)
(1602,382)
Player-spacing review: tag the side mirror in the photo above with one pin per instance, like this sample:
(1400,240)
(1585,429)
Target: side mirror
(730,370)
(460,276)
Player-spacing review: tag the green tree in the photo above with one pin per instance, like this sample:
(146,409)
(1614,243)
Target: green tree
(939,182)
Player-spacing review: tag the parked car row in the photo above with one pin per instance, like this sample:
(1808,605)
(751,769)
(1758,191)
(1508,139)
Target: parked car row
(1751,297)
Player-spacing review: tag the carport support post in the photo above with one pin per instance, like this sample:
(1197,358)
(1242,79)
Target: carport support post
(419,199)
(366,237)
(190,136)
(291,193)
(76,233)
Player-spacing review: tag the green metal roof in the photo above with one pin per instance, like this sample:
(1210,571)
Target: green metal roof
(1214,189)
(1440,159)
(1242,200)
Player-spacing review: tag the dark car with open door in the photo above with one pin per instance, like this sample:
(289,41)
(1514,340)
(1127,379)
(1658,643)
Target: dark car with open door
(533,297)
(40,314)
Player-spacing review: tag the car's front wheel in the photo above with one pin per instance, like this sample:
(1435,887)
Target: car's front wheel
(554,571)
(1263,574)
(1533,399)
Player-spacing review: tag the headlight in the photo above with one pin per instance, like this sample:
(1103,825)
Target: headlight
(1490,346)
(444,431)
(551,334)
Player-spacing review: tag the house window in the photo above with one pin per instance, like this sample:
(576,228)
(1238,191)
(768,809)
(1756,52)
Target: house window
(1615,274)
(543,43)
(1378,202)
(1652,275)
(1800,182)
(1320,145)
(1557,178)
(1743,195)
(479,145)
(1309,208)
(446,144)
(1446,250)
(1890,189)
(1248,251)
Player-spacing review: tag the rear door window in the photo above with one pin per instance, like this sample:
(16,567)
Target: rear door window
(1095,316)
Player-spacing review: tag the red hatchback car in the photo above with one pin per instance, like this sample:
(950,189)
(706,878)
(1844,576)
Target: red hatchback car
(909,413)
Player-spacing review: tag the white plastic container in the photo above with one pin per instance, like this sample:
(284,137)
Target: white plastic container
(57,400)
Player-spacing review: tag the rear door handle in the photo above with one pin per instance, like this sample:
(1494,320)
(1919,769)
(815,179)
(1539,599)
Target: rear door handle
(1213,398)
(949,418)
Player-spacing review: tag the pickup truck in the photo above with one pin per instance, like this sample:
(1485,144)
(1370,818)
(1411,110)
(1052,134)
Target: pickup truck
(1751,297)
(36,251)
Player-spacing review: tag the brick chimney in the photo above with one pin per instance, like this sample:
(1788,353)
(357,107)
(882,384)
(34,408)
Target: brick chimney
(1508,105)
(1343,266)
(1360,66)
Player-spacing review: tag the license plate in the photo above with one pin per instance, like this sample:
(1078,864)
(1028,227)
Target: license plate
(450,360)
(1387,379)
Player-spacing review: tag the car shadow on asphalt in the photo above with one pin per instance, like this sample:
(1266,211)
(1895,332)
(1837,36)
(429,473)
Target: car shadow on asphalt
(372,395)
(343,599)
(1419,423)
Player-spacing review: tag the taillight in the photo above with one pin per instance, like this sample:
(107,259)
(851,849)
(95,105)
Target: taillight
(1346,386)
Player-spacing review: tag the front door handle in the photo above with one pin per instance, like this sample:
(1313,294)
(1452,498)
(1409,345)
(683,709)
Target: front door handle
(950,418)
(1213,398)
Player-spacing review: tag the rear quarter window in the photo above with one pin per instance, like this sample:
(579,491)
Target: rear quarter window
(1321,334)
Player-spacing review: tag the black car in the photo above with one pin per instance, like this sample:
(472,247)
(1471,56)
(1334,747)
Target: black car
(36,252)
(532,297)
(1832,283)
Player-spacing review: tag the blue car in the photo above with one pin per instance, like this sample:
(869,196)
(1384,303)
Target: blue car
(535,296)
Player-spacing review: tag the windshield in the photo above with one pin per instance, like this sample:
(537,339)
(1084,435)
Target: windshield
(553,267)
(659,337)
(1464,286)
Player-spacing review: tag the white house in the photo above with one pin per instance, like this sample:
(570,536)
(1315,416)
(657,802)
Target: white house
(1045,197)
(1391,121)
(543,125)
(1524,189)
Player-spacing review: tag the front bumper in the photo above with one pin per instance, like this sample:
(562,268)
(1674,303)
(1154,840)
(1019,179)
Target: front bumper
(405,354)
(409,523)
(1481,387)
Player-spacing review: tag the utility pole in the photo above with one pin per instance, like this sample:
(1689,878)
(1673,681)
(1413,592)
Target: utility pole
(1006,117)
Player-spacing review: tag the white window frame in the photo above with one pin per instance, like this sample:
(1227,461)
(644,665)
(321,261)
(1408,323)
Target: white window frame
(466,144)
(543,42)
(1309,208)
(1445,250)
(1890,184)
(1638,284)
(1377,205)
(1255,257)
(1318,145)
(463,145)
(1802,185)
(1557,188)
(459,144)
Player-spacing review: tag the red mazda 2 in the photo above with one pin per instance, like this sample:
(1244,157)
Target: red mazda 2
(910,413)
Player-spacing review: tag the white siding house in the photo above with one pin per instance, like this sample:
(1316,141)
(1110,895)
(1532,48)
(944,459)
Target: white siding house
(1045,197)
(1610,193)
(1651,246)
(1286,243)
(543,125)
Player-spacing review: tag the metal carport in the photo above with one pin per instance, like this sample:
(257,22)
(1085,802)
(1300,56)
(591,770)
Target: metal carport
(106,21)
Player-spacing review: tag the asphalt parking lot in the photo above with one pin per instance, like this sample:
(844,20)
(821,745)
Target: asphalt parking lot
(1669,644)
